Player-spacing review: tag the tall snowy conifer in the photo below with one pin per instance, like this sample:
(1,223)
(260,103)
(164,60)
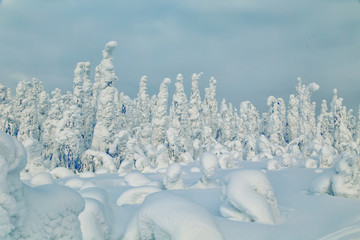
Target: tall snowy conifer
(195,108)
(179,117)
(8,122)
(106,98)
(292,123)
(159,121)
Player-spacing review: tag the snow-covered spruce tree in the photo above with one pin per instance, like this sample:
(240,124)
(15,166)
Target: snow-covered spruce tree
(357,136)
(50,125)
(195,108)
(227,123)
(211,104)
(275,127)
(106,98)
(248,121)
(248,128)
(340,125)
(84,100)
(179,122)
(8,122)
(31,106)
(159,120)
(323,134)
(307,126)
(142,115)
(292,123)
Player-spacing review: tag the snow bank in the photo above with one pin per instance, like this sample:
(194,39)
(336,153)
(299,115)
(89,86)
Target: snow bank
(12,204)
(173,178)
(136,179)
(52,213)
(136,195)
(248,196)
(166,216)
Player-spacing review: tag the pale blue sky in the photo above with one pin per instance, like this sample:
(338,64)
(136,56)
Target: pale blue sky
(254,48)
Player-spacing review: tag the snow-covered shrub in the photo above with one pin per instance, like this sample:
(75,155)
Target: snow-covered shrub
(310,163)
(226,160)
(167,216)
(343,181)
(346,181)
(273,164)
(125,167)
(248,196)
(12,202)
(326,156)
(209,165)
(92,160)
(173,178)
(136,179)
(185,158)
(52,213)
(36,163)
(136,195)
(286,160)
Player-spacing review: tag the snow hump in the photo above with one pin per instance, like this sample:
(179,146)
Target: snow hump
(164,215)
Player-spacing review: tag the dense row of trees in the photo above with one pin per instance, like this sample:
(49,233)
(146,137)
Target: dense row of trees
(95,126)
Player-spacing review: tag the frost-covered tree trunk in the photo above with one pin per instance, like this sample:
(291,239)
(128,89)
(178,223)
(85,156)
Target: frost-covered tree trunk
(159,121)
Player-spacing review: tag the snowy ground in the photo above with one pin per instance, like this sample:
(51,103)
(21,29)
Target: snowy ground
(114,206)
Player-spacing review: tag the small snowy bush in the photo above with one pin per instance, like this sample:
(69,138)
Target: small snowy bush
(173,178)
(248,196)
(208,165)
(136,195)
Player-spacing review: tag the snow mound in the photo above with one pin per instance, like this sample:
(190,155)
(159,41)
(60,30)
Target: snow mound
(173,178)
(74,183)
(226,161)
(52,212)
(273,164)
(136,179)
(136,195)
(248,196)
(61,172)
(166,216)
(322,183)
(42,179)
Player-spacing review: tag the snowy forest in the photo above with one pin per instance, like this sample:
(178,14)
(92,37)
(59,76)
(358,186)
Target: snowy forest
(95,164)
(95,126)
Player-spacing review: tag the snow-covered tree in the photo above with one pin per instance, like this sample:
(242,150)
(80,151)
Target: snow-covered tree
(179,120)
(275,127)
(159,121)
(195,108)
(340,124)
(292,123)
(106,98)
(8,122)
